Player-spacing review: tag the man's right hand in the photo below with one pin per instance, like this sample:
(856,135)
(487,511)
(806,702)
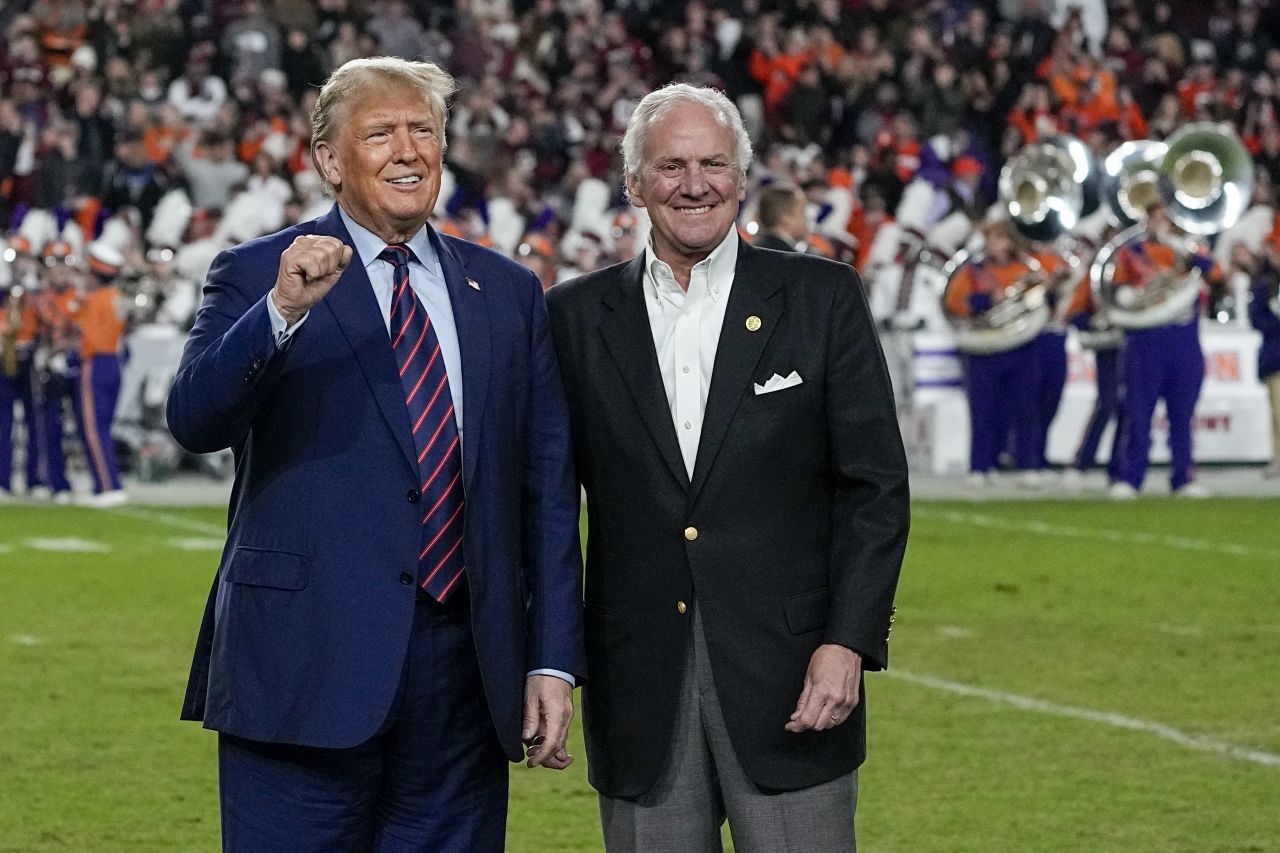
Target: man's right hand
(309,268)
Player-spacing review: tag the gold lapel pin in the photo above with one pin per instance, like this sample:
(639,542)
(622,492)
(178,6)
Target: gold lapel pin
(753,323)
(473,284)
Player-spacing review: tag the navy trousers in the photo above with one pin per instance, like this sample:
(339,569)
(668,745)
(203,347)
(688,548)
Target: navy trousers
(433,780)
(1162,363)
(1105,407)
(1051,358)
(43,402)
(1002,390)
(98,392)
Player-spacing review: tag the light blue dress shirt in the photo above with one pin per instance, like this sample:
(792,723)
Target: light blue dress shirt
(427,280)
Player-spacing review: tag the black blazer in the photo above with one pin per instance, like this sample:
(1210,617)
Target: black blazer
(790,534)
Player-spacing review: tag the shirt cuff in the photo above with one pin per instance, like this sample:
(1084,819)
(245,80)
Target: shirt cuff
(557,673)
(281,331)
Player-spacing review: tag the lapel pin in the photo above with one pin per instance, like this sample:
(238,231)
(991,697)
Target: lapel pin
(473,284)
(753,323)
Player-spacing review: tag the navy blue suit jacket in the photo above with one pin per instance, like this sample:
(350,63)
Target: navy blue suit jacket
(304,636)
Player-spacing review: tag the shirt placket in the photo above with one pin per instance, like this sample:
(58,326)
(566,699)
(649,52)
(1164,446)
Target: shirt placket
(688,370)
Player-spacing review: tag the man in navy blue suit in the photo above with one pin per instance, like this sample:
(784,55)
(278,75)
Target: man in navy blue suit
(398,604)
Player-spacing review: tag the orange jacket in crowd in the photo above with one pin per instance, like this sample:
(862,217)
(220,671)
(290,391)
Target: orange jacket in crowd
(777,74)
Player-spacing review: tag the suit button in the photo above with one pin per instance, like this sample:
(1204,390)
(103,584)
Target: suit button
(406,578)
(414,496)
(690,533)
(681,607)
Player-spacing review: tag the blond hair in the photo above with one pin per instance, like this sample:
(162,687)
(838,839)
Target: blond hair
(435,84)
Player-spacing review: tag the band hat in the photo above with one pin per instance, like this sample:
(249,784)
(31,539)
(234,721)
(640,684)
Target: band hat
(104,259)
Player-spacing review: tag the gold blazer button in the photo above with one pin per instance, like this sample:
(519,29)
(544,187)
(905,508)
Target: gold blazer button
(753,323)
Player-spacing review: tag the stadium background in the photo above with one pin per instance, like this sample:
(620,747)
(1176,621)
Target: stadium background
(1068,675)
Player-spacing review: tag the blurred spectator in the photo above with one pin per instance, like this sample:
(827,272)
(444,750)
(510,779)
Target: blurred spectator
(398,33)
(211,170)
(780,212)
(132,180)
(197,94)
(252,43)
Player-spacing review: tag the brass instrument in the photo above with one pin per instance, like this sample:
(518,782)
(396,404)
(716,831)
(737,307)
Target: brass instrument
(1016,319)
(1203,176)
(1047,187)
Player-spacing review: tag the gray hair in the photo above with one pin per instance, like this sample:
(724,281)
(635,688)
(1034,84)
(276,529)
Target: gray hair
(657,103)
(435,84)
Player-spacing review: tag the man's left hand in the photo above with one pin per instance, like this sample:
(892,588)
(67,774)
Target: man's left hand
(548,709)
(830,689)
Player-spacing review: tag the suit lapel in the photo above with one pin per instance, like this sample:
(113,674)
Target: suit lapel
(471,317)
(356,311)
(629,339)
(754,294)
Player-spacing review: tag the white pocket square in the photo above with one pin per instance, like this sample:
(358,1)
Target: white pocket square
(777,383)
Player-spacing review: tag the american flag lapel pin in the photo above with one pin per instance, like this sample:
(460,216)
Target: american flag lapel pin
(473,284)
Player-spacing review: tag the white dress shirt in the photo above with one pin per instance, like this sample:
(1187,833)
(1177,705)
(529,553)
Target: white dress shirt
(686,331)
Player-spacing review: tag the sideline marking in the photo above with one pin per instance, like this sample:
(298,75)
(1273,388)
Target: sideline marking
(170,520)
(1130,537)
(68,544)
(1106,718)
(193,544)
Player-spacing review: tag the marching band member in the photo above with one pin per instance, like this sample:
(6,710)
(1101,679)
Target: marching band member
(1164,362)
(1001,386)
(46,342)
(1081,313)
(102,326)
(1264,314)
(1050,348)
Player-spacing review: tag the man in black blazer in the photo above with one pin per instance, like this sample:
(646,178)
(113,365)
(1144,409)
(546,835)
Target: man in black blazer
(734,430)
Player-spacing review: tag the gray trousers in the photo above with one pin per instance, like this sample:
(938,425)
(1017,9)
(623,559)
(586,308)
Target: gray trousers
(703,784)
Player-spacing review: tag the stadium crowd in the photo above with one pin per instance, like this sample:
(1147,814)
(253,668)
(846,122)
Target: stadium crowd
(168,130)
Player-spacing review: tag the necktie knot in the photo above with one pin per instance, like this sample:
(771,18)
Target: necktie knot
(396,254)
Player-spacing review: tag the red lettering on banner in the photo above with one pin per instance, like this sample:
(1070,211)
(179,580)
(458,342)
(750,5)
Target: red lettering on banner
(1222,366)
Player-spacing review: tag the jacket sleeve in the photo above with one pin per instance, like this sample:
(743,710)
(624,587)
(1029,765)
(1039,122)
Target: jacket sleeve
(230,361)
(871,507)
(551,507)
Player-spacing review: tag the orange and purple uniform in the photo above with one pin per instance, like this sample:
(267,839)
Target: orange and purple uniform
(1164,362)
(101,330)
(1000,386)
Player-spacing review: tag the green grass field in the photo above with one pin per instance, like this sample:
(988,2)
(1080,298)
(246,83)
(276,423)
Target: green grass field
(1159,613)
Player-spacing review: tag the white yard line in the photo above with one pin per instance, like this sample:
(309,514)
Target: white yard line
(178,522)
(194,544)
(67,544)
(1106,718)
(1068,531)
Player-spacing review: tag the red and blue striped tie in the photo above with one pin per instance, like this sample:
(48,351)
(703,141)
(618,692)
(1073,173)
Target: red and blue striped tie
(435,432)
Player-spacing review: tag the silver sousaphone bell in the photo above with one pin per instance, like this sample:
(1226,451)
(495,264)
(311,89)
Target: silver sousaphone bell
(1047,187)
(1203,175)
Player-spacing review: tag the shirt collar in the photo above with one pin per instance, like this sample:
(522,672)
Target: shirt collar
(720,266)
(369,245)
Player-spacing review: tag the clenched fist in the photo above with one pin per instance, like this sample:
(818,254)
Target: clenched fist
(309,268)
